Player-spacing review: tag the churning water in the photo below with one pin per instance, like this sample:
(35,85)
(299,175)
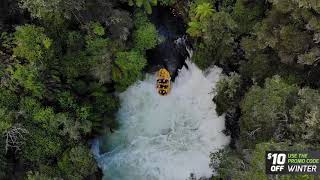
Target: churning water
(165,138)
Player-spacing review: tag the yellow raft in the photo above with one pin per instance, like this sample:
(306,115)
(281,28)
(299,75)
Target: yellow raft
(163,82)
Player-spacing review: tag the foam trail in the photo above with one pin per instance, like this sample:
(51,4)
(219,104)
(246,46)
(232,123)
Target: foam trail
(165,138)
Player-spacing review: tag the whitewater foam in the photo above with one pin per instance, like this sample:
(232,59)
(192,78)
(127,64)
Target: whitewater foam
(165,138)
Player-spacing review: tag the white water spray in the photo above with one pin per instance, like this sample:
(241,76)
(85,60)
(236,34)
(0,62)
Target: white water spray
(165,138)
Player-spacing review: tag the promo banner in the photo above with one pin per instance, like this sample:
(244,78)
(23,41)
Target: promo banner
(287,162)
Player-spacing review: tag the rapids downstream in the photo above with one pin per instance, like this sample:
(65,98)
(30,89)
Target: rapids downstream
(164,138)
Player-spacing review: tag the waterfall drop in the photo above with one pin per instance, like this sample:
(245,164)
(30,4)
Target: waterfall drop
(165,138)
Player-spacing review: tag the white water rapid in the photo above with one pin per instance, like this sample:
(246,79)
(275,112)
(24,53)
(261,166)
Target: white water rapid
(165,138)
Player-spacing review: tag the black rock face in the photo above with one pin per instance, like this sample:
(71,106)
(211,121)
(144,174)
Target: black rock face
(167,23)
(232,126)
(172,52)
(170,55)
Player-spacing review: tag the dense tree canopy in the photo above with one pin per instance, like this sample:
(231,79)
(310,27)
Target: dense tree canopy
(228,89)
(62,62)
(47,8)
(305,117)
(59,73)
(127,68)
(275,51)
(32,43)
(216,32)
(77,163)
(263,109)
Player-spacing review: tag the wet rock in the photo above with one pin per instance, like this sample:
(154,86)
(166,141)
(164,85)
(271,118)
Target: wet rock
(172,53)
(232,126)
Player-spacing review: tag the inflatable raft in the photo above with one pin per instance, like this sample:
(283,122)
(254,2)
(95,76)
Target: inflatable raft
(163,82)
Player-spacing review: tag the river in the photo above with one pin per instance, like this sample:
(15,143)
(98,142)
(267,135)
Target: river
(164,138)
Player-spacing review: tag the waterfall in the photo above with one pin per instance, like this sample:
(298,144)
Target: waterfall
(164,138)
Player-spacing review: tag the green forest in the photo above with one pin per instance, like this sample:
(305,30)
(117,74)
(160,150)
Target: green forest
(62,62)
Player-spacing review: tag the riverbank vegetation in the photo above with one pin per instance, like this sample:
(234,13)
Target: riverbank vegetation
(269,51)
(61,62)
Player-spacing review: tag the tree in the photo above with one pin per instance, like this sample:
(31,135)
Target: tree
(102,72)
(204,10)
(95,58)
(306,117)
(36,114)
(70,127)
(310,4)
(147,4)
(226,163)
(28,77)
(105,103)
(194,29)
(75,65)
(45,117)
(167,2)
(247,14)
(74,41)
(145,37)
(15,137)
(140,19)
(32,43)
(95,40)
(127,68)
(77,163)
(260,65)
(309,58)
(218,40)
(66,100)
(120,24)
(226,5)
(36,175)
(104,107)
(99,54)
(227,88)
(6,120)
(200,14)
(8,99)
(265,110)
(290,29)
(292,43)
(83,113)
(41,145)
(48,8)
